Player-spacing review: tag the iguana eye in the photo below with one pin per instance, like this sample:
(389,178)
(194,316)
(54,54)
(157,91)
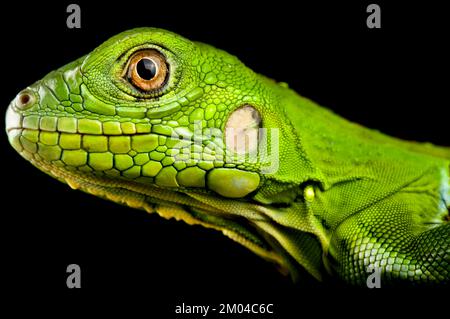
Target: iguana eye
(147,70)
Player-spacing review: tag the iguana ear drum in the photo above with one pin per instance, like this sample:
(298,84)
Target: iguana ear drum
(242,130)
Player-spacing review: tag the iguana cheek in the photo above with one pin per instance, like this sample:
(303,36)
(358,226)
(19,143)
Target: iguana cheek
(232,183)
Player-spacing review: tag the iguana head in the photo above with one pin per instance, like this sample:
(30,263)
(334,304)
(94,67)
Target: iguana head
(155,121)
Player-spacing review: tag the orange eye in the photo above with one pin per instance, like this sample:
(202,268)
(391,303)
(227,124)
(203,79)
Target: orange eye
(147,70)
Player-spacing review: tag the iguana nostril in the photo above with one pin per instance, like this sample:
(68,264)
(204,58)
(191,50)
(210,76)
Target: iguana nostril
(25,100)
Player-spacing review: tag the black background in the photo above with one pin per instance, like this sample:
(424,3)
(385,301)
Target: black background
(394,79)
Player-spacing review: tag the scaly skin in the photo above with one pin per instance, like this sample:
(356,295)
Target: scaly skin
(321,194)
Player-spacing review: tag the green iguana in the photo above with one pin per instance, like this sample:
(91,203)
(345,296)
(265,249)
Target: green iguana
(152,120)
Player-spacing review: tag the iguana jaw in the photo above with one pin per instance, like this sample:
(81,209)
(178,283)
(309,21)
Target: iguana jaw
(244,220)
(166,203)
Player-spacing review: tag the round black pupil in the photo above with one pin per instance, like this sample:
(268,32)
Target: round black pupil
(146,69)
